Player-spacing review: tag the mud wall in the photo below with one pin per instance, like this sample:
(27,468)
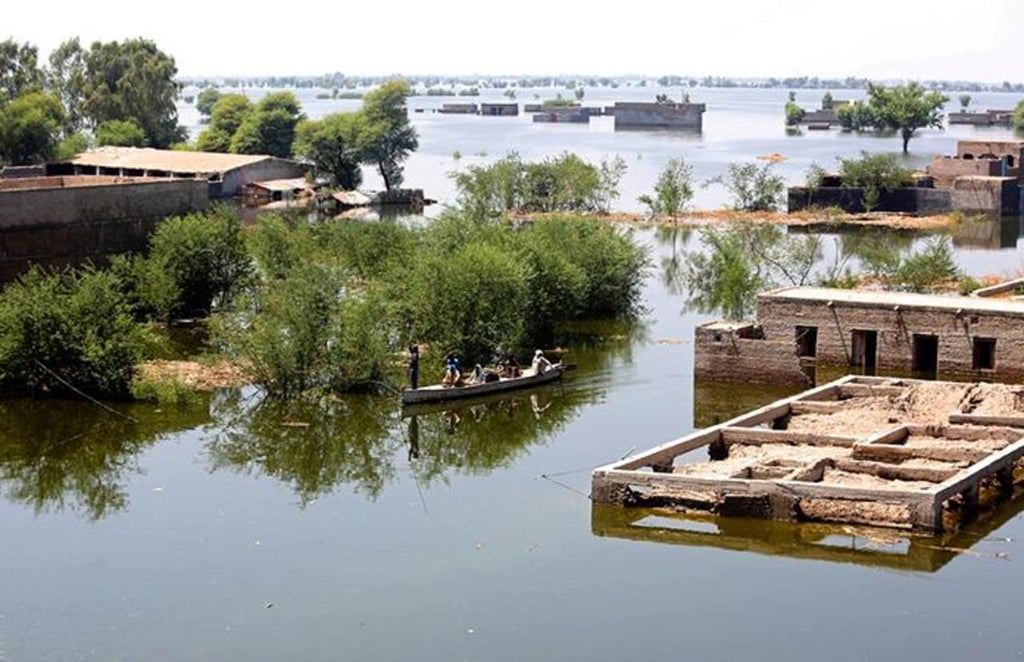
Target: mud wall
(723,356)
(896,328)
(104,202)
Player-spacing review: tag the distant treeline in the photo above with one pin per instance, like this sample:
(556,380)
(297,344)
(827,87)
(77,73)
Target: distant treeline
(341,81)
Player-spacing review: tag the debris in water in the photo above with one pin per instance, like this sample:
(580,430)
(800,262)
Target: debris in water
(268,605)
(470,631)
(158,489)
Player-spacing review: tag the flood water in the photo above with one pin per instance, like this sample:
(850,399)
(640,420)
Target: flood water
(235,529)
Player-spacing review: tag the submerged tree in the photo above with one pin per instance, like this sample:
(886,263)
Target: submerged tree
(335,146)
(391,137)
(673,190)
(906,108)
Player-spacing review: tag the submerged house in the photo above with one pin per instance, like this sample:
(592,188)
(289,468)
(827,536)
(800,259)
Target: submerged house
(642,115)
(801,328)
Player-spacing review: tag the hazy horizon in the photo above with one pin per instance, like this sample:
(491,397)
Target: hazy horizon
(739,39)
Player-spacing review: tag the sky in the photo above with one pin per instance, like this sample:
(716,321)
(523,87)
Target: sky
(880,39)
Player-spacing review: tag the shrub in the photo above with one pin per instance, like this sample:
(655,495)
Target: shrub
(163,392)
(673,190)
(204,256)
(933,265)
(124,133)
(753,187)
(874,173)
(68,328)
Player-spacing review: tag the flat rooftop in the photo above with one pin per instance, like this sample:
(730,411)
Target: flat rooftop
(877,299)
(146,158)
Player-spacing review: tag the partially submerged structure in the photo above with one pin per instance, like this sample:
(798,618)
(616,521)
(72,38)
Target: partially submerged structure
(984,177)
(988,117)
(800,328)
(670,115)
(226,174)
(865,450)
(62,221)
(503,109)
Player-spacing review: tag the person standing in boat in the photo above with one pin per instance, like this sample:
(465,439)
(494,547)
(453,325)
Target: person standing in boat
(540,363)
(414,365)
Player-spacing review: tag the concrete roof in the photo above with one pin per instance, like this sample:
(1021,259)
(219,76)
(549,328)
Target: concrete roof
(146,158)
(882,299)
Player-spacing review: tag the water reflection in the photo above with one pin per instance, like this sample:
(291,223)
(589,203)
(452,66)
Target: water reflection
(64,455)
(835,543)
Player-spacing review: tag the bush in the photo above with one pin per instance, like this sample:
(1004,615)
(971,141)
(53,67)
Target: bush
(163,392)
(753,187)
(123,133)
(673,190)
(204,256)
(856,116)
(1018,117)
(874,173)
(68,328)
(929,267)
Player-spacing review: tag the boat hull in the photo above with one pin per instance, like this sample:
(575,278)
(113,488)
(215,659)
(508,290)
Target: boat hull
(439,393)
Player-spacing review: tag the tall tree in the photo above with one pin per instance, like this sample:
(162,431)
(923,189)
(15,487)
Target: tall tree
(270,128)
(906,108)
(226,116)
(30,129)
(392,137)
(334,146)
(19,70)
(133,80)
(65,77)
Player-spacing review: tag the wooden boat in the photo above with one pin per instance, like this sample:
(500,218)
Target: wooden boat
(441,393)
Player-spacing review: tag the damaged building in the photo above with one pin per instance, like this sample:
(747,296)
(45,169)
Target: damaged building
(801,328)
(902,453)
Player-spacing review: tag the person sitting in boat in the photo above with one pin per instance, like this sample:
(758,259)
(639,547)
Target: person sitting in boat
(451,370)
(513,366)
(540,363)
(478,376)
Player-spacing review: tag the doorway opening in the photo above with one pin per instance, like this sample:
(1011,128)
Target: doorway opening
(926,355)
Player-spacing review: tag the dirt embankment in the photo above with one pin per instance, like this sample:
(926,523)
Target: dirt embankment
(202,376)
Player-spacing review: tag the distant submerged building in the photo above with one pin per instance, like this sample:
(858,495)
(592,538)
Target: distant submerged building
(671,115)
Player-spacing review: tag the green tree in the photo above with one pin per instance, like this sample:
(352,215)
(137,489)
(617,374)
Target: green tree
(1018,117)
(65,77)
(334,147)
(673,190)
(133,80)
(965,101)
(207,98)
(270,127)
(123,133)
(227,115)
(391,137)
(856,116)
(19,70)
(794,114)
(30,128)
(906,108)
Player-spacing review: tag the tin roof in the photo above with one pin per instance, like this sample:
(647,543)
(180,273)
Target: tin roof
(147,158)
(881,299)
(294,184)
(352,198)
